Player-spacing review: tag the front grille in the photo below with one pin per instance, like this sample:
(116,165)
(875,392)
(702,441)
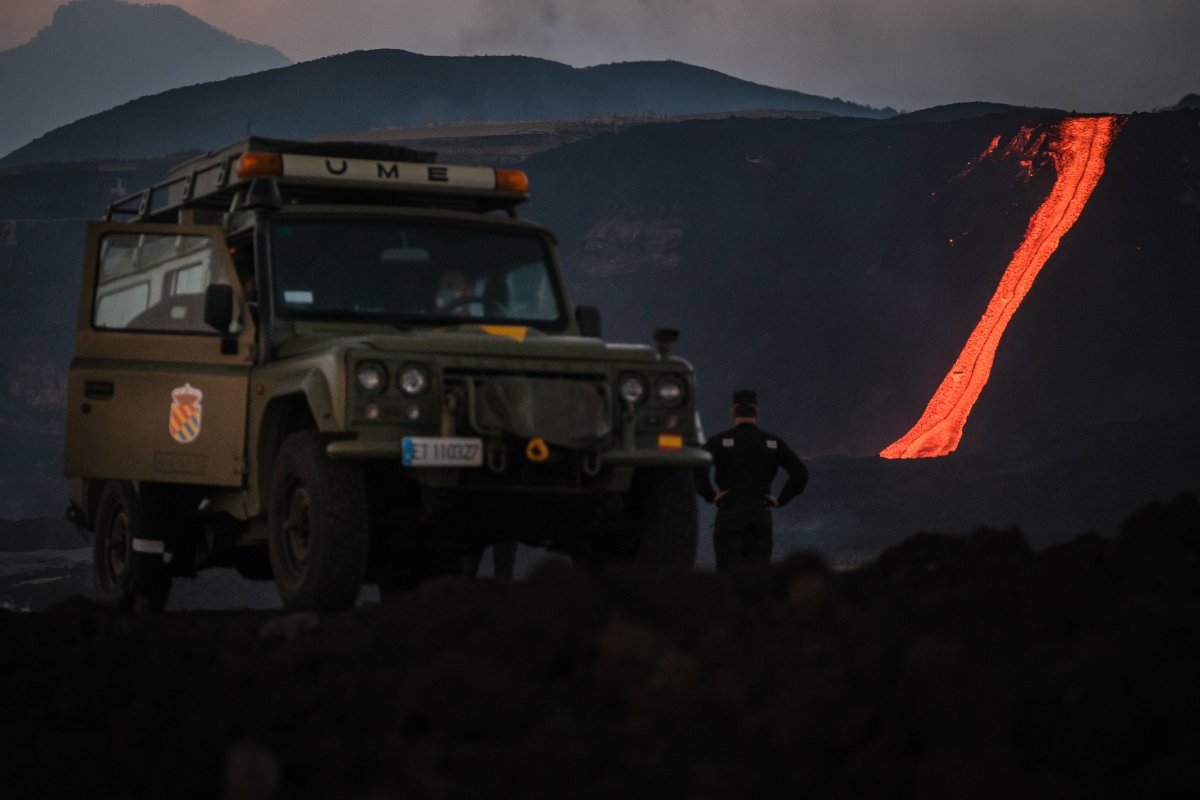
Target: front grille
(572,412)
(572,409)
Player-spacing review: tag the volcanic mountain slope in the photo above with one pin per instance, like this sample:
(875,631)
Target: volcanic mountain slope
(394,88)
(950,667)
(99,53)
(840,265)
(823,257)
(837,265)
(845,263)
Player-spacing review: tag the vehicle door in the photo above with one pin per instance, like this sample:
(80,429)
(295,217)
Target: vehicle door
(153,392)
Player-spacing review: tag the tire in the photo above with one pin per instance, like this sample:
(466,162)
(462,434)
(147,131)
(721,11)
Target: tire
(120,518)
(661,529)
(318,526)
(666,522)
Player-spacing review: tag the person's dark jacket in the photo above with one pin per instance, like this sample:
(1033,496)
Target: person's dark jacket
(746,460)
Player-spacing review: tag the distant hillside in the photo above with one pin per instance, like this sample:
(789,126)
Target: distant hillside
(1191,101)
(955,111)
(99,53)
(394,88)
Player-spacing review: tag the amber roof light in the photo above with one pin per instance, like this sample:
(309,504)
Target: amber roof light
(512,180)
(256,165)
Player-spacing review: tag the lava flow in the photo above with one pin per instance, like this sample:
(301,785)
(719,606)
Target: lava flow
(1078,150)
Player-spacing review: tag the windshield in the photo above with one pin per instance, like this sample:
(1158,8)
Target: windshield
(412,271)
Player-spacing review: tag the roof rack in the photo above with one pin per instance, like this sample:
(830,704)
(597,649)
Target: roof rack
(321,172)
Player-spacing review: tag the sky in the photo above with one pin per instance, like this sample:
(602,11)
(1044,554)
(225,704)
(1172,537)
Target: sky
(1078,55)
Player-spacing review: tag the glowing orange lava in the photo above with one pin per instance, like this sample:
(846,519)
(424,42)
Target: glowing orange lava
(987,151)
(1078,150)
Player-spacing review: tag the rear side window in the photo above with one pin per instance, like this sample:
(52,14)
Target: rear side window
(155,282)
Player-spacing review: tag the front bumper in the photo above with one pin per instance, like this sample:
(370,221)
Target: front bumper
(386,449)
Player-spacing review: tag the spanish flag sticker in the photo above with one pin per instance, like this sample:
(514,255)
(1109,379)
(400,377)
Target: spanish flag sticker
(670,441)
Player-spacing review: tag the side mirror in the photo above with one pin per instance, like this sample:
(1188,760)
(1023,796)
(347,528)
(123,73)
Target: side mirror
(218,307)
(588,319)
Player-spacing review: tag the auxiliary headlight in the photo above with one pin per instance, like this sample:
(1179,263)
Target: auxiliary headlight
(632,388)
(671,390)
(372,376)
(413,380)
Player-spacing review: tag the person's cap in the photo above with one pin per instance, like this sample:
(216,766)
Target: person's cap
(747,396)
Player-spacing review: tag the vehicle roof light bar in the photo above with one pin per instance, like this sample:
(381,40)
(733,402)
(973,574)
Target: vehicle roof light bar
(307,172)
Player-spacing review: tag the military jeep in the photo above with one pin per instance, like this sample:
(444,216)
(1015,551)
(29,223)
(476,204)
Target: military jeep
(333,364)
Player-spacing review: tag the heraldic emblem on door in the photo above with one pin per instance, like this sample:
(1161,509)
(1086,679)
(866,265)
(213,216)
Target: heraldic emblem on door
(184,424)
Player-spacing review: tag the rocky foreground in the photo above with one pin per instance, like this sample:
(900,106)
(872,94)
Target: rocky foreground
(950,667)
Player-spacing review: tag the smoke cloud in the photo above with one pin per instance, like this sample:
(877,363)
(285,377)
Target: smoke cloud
(1084,55)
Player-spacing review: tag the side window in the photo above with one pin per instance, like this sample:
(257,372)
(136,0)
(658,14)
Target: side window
(155,282)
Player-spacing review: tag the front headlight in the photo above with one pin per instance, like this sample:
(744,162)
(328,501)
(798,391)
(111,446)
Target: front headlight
(372,376)
(632,388)
(671,390)
(413,380)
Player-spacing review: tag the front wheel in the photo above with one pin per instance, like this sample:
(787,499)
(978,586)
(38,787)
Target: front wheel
(318,526)
(660,527)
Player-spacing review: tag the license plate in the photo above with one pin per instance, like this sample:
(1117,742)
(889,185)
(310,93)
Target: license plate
(442,451)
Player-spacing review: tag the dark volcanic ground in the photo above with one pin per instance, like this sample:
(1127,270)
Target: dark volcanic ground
(949,667)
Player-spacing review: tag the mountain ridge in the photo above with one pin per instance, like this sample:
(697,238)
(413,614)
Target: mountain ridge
(100,53)
(368,89)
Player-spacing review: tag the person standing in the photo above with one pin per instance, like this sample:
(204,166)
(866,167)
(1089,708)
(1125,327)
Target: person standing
(746,460)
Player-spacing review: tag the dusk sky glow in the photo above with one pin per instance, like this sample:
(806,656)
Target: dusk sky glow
(1081,55)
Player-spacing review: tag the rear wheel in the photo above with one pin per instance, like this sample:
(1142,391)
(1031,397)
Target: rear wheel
(122,517)
(318,526)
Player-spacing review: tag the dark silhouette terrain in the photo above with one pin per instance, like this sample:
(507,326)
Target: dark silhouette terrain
(949,667)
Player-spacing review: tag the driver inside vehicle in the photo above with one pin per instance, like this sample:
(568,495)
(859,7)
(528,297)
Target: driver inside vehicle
(456,294)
